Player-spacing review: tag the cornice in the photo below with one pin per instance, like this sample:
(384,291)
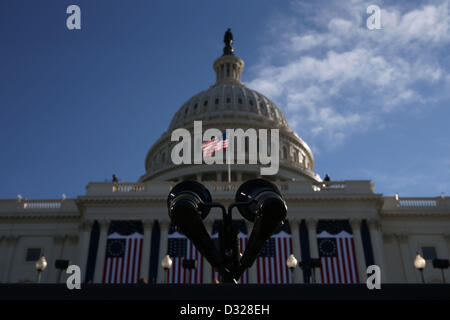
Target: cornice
(39,215)
(332,197)
(401,213)
(84,200)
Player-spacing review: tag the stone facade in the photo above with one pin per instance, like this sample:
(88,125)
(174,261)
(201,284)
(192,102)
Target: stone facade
(387,231)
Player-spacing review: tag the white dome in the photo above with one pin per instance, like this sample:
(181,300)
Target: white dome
(229,104)
(229,98)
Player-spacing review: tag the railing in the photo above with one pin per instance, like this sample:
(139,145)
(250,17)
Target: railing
(225,186)
(162,188)
(420,204)
(328,186)
(417,203)
(128,187)
(41,204)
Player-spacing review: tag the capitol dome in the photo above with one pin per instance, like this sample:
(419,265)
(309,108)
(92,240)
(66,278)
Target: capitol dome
(229,104)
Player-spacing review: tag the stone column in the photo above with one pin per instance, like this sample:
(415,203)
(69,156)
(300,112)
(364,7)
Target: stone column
(376,238)
(3,251)
(85,229)
(446,238)
(360,258)
(296,249)
(11,242)
(311,223)
(411,274)
(447,242)
(164,227)
(101,252)
(145,259)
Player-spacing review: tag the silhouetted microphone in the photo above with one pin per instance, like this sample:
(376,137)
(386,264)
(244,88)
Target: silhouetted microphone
(266,208)
(186,204)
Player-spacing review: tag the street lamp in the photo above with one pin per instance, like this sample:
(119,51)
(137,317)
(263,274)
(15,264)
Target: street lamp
(40,265)
(420,264)
(291,263)
(166,263)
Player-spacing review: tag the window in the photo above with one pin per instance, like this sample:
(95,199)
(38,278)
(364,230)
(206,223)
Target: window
(263,108)
(272,112)
(251,102)
(33,254)
(186,111)
(205,103)
(301,157)
(240,101)
(195,106)
(277,115)
(429,253)
(216,101)
(228,100)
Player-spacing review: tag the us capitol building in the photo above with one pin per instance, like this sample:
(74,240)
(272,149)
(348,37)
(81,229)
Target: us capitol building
(119,232)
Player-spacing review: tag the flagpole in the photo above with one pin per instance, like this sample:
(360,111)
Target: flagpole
(229,168)
(229,161)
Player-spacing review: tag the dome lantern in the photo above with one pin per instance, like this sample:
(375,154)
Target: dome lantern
(228,67)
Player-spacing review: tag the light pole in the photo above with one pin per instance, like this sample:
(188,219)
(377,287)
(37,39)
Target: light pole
(166,263)
(420,264)
(291,263)
(40,265)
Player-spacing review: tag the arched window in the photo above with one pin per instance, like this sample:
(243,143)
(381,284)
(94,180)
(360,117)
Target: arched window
(285,153)
(301,157)
(263,108)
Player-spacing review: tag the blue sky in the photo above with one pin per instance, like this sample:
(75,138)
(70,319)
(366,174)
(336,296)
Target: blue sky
(77,106)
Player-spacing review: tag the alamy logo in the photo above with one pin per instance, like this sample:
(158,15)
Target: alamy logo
(208,147)
(374,277)
(74,280)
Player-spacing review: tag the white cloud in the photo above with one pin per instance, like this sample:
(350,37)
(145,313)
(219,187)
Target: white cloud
(339,79)
(430,24)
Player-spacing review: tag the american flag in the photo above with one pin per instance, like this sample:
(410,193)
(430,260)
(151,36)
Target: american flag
(123,258)
(271,262)
(337,254)
(216,144)
(242,244)
(180,248)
